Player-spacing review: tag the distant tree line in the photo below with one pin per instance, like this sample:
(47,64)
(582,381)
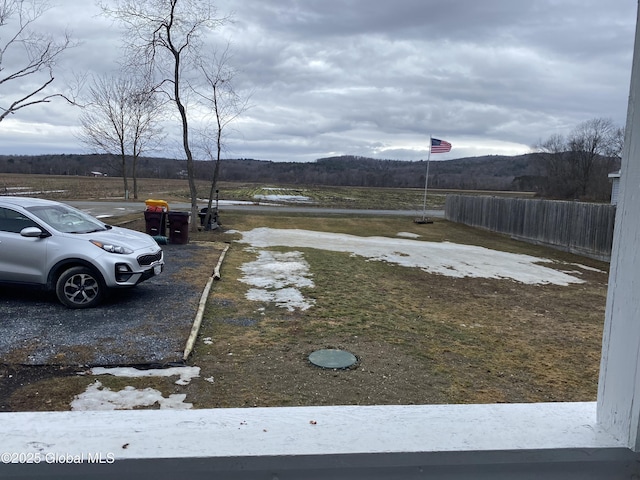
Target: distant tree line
(517,173)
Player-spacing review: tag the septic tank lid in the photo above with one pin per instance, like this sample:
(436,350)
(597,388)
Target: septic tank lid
(332,358)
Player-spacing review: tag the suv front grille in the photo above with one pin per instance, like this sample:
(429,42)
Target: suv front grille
(145,260)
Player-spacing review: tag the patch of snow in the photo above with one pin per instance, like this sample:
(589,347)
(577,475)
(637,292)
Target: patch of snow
(97,397)
(444,258)
(228,202)
(284,198)
(277,270)
(276,277)
(407,235)
(585,267)
(33,192)
(289,298)
(186,374)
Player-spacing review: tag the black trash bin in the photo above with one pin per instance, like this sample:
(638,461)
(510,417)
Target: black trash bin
(155,222)
(179,227)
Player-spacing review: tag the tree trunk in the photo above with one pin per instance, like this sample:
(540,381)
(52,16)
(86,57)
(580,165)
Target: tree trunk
(123,158)
(134,166)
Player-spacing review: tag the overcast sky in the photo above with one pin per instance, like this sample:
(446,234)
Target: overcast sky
(376,78)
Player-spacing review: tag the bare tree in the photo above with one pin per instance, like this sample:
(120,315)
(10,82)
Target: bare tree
(575,165)
(121,119)
(587,143)
(165,40)
(224,103)
(27,57)
(553,153)
(145,120)
(616,145)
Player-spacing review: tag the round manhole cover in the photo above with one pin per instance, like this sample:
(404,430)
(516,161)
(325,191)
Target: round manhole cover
(332,358)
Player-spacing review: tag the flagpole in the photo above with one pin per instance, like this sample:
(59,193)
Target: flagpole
(426,182)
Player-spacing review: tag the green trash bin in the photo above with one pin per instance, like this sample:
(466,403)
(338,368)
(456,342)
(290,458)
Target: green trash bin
(179,227)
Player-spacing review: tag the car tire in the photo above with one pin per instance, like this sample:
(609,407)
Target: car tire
(80,287)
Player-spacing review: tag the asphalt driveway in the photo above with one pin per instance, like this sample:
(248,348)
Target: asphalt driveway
(146,325)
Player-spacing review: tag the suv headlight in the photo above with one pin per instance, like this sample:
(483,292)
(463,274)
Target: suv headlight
(111,248)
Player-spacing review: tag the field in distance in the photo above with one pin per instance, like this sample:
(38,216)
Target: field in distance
(62,187)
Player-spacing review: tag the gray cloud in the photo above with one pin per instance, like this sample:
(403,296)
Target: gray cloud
(374,78)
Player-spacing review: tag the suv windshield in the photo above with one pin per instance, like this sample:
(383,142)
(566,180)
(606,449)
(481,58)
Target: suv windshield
(67,219)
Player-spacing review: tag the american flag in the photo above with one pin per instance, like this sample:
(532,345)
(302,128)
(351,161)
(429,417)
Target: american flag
(440,146)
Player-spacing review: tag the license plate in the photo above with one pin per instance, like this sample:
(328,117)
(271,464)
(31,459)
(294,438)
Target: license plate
(157,270)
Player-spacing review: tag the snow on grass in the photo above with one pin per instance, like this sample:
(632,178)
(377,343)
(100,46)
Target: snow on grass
(185,373)
(23,191)
(97,397)
(445,258)
(589,269)
(283,198)
(277,277)
(407,235)
(227,202)
(289,298)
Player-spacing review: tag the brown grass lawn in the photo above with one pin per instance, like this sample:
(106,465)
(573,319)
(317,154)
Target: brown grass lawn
(419,337)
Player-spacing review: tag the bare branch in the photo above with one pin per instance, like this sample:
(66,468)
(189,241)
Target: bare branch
(38,53)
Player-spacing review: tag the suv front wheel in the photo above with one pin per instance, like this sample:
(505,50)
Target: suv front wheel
(80,287)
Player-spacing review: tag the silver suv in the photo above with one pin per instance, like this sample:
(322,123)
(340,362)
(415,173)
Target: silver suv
(60,248)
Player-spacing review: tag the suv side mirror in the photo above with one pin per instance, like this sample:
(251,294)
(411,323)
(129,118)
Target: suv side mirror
(33,232)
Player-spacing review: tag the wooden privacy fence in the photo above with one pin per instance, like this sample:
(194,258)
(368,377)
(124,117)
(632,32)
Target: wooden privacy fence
(581,228)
